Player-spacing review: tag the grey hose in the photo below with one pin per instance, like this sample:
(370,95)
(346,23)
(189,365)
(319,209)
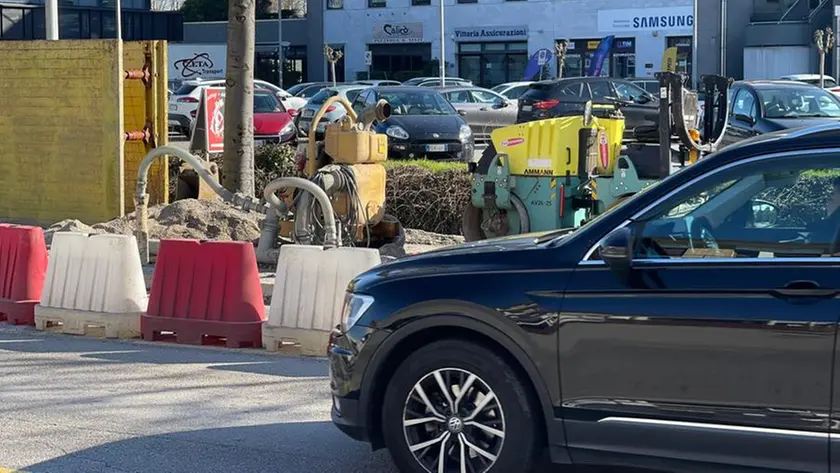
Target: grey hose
(331,239)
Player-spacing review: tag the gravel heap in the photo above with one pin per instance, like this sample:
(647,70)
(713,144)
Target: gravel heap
(215,220)
(188,218)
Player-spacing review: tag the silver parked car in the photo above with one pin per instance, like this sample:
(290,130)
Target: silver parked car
(334,112)
(484,109)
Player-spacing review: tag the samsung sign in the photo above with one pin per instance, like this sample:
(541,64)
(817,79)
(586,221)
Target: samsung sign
(492,33)
(646,19)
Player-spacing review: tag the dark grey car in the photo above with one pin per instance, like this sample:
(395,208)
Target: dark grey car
(484,109)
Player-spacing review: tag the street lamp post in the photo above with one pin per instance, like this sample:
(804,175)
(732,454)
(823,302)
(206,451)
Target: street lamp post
(442,48)
(694,46)
(51,15)
(280,58)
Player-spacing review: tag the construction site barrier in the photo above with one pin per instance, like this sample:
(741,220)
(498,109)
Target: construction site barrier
(308,295)
(94,286)
(205,293)
(23,265)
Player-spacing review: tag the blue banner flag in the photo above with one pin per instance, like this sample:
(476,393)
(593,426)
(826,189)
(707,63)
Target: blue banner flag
(536,63)
(602,52)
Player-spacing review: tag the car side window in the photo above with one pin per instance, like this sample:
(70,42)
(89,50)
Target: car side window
(745,104)
(461,96)
(370,99)
(627,92)
(359,103)
(515,92)
(352,94)
(773,209)
(601,90)
(481,96)
(571,90)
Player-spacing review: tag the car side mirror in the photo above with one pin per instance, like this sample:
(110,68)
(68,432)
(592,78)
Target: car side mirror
(645,99)
(463,113)
(745,118)
(503,104)
(764,214)
(616,250)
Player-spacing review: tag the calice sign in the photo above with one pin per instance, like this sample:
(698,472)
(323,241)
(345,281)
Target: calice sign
(647,19)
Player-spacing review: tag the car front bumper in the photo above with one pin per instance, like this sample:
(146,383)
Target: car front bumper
(346,371)
(454,150)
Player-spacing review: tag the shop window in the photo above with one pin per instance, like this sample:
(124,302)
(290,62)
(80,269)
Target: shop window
(109,25)
(377,3)
(684,47)
(95,24)
(69,26)
(11,23)
(490,64)
(418,3)
(335,4)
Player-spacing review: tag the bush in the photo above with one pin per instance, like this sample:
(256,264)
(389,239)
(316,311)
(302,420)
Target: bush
(426,195)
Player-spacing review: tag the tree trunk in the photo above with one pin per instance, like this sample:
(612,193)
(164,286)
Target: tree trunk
(332,70)
(239,98)
(822,69)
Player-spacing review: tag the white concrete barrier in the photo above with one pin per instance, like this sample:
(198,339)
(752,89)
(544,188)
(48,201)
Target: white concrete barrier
(308,295)
(94,284)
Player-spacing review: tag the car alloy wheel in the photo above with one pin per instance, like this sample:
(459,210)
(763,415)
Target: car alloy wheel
(453,420)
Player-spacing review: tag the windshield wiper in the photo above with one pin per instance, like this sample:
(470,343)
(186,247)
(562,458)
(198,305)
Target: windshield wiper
(810,115)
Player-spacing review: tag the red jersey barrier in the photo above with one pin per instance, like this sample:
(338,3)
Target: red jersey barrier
(205,293)
(23,266)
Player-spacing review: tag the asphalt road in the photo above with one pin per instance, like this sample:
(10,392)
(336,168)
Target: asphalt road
(181,142)
(71,404)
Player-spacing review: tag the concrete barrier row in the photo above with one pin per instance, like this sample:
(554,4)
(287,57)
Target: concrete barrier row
(201,292)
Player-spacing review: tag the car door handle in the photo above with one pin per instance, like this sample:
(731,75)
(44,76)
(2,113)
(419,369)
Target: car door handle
(811,289)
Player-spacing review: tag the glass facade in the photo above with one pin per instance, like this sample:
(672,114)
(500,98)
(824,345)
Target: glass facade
(620,63)
(399,61)
(90,19)
(491,64)
(684,46)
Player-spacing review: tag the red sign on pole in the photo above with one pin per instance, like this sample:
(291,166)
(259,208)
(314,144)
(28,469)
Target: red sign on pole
(214,118)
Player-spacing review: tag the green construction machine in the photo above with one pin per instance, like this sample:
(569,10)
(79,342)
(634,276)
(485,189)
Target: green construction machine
(559,172)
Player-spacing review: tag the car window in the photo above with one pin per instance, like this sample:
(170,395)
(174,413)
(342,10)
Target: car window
(799,102)
(482,96)
(296,88)
(266,103)
(773,209)
(499,88)
(744,104)
(572,90)
(515,92)
(311,91)
(461,96)
(359,103)
(352,94)
(185,89)
(601,90)
(418,102)
(370,99)
(628,92)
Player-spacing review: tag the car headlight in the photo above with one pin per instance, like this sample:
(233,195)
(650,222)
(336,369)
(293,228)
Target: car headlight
(397,132)
(355,306)
(288,129)
(465,133)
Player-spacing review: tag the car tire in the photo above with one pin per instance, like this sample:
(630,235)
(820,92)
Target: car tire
(509,412)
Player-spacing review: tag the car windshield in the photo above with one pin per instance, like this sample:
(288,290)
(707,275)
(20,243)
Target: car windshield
(816,81)
(499,88)
(417,102)
(265,102)
(799,102)
(414,81)
(296,88)
(185,89)
(322,96)
(310,91)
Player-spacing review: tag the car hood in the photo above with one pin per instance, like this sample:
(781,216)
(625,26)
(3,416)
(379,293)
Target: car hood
(507,255)
(270,123)
(784,123)
(419,126)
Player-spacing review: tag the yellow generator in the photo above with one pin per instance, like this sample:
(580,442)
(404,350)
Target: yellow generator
(538,177)
(347,165)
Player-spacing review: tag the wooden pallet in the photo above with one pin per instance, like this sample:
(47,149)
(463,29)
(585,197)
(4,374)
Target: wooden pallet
(295,341)
(91,324)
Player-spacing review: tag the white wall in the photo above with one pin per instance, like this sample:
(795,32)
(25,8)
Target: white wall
(547,20)
(775,62)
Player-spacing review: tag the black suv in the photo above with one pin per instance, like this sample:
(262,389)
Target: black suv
(549,99)
(691,328)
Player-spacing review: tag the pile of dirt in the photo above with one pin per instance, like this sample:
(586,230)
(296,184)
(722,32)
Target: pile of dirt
(188,218)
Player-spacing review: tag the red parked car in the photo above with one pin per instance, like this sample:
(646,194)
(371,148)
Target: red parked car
(273,123)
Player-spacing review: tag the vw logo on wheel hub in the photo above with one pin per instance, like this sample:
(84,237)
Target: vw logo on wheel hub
(455,425)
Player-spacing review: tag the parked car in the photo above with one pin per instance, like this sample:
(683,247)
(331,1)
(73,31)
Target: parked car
(435,81)
(547,99)
(186,98)
(690,328)
(376,83)
(813,79)
(650,84)
(512,90)
(334,111)
(759,107)
(307,90)
(484,109)
(423,124)
(272,122)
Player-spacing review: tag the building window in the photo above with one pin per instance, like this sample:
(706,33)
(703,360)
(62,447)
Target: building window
(684,46)
(621,61)
(335,4)
(491,64)
(11,23)
(399,61)
(418,3)
(69,26)
(467,1)
(377,3)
